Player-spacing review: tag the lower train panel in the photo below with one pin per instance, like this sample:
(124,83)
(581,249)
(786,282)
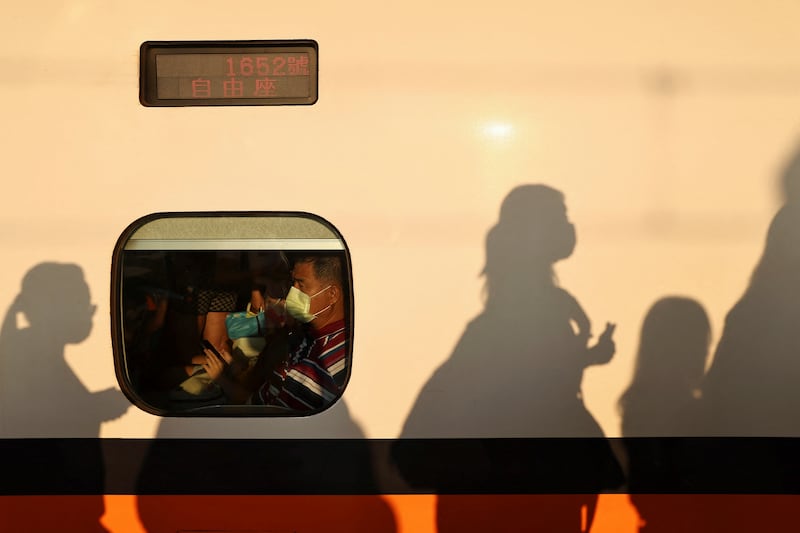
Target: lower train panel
(648,485)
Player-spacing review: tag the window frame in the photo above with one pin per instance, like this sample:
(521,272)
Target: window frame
(121,366)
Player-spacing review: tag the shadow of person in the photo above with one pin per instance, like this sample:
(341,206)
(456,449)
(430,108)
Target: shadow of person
(263,474)
(664,394)
(662,401)
(44,401)
(516,372)
(751,387)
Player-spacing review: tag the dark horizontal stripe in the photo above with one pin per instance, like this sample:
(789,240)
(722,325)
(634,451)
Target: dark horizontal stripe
(404,466)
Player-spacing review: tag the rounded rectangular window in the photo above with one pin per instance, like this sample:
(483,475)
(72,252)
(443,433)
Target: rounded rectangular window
(232,314)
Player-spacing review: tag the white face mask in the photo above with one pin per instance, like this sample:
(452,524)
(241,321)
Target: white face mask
(298,304)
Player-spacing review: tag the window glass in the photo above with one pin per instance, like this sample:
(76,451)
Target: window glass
(232,314)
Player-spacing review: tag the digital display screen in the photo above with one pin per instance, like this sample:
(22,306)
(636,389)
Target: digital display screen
(228,73)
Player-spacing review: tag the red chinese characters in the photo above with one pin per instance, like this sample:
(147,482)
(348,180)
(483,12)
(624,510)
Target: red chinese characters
(265,88)
(232,88)
(249,76)
(298,65)
(201,88)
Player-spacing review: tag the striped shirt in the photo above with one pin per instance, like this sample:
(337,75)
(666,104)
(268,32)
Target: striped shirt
(313,375)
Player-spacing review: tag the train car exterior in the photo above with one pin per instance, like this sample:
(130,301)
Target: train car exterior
(569,246)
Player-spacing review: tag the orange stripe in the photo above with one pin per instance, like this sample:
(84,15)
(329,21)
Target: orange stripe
(393,513)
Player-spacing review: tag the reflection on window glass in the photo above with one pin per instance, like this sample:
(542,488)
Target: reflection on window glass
(203,328)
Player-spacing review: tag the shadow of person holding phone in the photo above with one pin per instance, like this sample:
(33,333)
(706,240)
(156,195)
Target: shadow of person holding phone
(516,372)
(54,419)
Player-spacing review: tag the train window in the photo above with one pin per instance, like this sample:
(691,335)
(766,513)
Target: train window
(232,314)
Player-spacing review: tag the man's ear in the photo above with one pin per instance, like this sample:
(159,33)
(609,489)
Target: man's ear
(335,293)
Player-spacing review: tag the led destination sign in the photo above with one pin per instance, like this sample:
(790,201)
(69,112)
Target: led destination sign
(229,73)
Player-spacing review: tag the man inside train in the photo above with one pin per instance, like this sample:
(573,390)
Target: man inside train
(303,367)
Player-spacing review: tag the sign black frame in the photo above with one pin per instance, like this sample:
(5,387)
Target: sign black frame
(148,81)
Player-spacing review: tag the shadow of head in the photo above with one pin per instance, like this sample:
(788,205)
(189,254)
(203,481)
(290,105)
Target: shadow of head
(532,233)
(790,179)
(675,340)
(55,299)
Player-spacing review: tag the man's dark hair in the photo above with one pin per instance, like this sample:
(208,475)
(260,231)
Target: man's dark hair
(327,268)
